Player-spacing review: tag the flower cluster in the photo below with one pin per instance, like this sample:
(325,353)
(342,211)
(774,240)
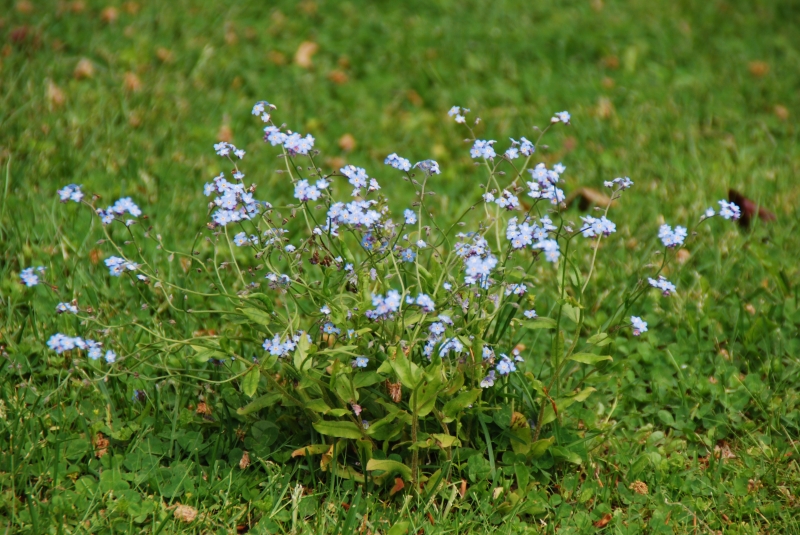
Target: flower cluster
(280,348)
(63,308)
(225,149)
(478,258)
(29,278)
(483,149)
(534,234)
(666,287)
(385,307)
(639,326)
(458,113)
(543,185)
(117,266)
(595,227)
(70,193)
(61,343)
(398,162)
(672,238)
(120,207)
(234,202)
(523,146)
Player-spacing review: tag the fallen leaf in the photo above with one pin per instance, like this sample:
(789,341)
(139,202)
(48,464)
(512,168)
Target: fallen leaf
(398,486)
(24,7)
(414,98)
(603,522)
(639,487)
(164,55)
(588,197)
(304,53)
(132,82)
(395,391)
(278,58)
(683,255)
(109,15)
(605,109)
(78,6)
(100,445)
(337,77)
(55,95)
(749,208)
(463,489)
(185,513)
(84,69)
(347,142)
(781,112)
(225,133)
(132,8)
(758,68)
(611,62)
(245,461)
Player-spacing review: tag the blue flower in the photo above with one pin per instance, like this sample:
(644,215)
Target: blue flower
(639,326)
(360,362)
(408,255)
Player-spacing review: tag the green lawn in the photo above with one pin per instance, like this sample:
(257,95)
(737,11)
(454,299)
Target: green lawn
(689,99)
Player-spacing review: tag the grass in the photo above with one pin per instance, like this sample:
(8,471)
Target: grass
(688,99)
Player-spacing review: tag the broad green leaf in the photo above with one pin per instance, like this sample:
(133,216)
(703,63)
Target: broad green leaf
(572,312)
(599,340)
(363,379)
(384,428)
(317,405)
(400,528)
(445,441)
(389,466)
(408,372)
(301,360)
(412,319)
(567,455)
(426,397)
(267,400)
(589,358)
(460,402)
(347,350)
(583,394)
(250,382)
(256,316)
(337,429)
(203,354)
(541,446)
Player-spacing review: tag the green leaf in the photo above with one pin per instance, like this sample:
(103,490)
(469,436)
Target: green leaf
(589,358)
(267,400)
(426,397)
(445,441)
(400,528)
(256,316)
(460,402)
(363,379)
(348,350)
(301,360)
(541,446)
(567,455)
(317,405)
(250,382)
(572,312)
(540,323)
(337,429)
(599,340)
(389,466)
(521,429)
(408,372)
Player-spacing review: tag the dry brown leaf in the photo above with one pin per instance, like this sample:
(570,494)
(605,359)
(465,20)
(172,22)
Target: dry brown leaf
(109,15)
(607,83)
(24,7)
(304,53)
(723,451)
(605,109)
(713,380)
(603,522)
(132,82)
(84,69)
(165,55)
(758,68)
(131,8)
(337,77)
(278,58)
(225,133)
(588,197)
(683,255)
(78,6)
(611,62)
(639,487)
(100,445)
(414,98)
(185,513)
(347,142)
(203,408)
(245,461)
(750,309)
(398,486)
(749,209)
(463,490)
(395,391)
(781,112)
(55,95)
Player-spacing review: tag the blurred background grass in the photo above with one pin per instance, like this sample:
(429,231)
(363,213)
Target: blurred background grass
(127,98)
